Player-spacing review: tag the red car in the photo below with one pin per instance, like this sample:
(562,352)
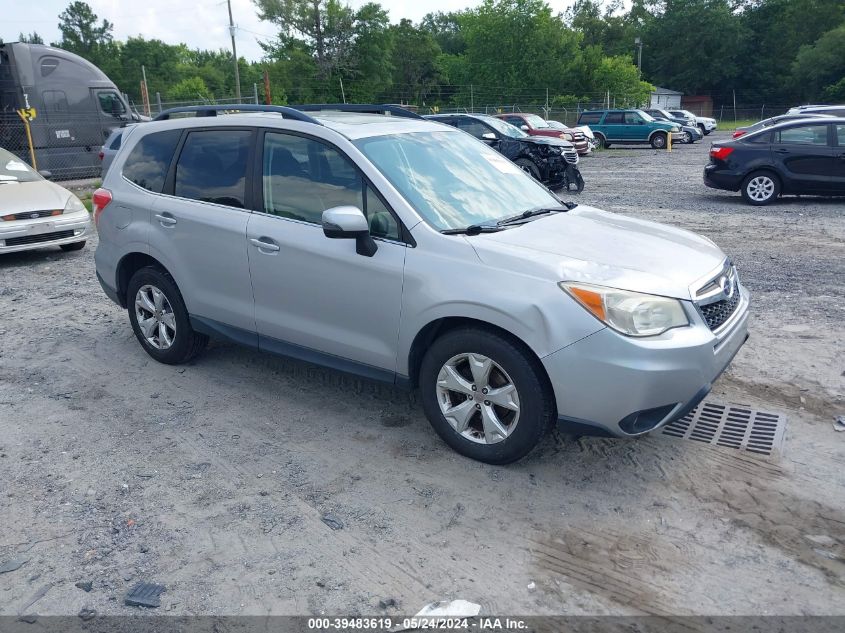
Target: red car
(536,126)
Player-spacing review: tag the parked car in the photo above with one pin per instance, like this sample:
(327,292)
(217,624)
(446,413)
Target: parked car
(536,126)
(690,133)
(403,250)
(705,123)
(552,161)
(35,212)
(576,133)
(806,156)
(629,127)
(835,110)
(783,118)
(110,147)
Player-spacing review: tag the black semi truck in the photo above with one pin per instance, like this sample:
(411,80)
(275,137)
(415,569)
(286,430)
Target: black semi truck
(76,108)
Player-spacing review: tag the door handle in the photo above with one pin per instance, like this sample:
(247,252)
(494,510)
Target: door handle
(265,246)
(166,220)
(782,151)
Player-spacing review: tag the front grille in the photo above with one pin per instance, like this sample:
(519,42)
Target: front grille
(716,313)
(571,157)
(34,239)
(30,215)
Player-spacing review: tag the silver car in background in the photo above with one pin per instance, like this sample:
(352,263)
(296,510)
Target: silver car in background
(35,213)
(404,250)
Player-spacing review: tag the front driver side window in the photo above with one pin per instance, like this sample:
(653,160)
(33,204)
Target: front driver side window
(304,177)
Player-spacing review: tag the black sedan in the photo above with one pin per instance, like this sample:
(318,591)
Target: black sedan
(552,161)
(800,157)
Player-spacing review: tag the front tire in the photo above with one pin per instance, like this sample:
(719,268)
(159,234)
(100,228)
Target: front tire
(529,167)
(485,395)
(688,138)
(75,246)
(160,319)
(658,141)
(760,188)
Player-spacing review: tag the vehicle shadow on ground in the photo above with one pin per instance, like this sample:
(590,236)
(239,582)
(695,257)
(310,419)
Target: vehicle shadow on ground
(787,203)
(27,258)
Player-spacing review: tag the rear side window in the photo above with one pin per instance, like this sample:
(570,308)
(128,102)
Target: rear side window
(212,167)
(149,160)
(763,138)
(115,144)
(614,118)
(803,135)
(587,118)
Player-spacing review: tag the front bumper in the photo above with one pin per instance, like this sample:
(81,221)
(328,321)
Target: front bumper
(22,235)
(613,385)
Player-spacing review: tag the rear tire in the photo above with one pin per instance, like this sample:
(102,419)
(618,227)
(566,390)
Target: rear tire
(500,369)
(75,246)
(658,141)
(160,319)
(760,188)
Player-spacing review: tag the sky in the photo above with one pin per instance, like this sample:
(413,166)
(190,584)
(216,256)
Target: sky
(197,23)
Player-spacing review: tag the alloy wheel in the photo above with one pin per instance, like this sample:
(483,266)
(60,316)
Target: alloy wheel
(478,398)
(760,188)
(155,317)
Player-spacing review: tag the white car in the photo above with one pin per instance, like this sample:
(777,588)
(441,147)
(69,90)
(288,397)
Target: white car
(35,212)
(704,123)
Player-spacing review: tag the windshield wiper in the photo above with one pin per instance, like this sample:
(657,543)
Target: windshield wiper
(472,229)
(530,213)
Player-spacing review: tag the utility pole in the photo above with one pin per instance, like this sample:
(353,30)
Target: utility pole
(234,53)
(638,42)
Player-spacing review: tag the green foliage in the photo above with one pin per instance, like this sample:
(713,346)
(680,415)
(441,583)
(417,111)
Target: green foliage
(820,67)
(618,76)
(32,38)
(190,89)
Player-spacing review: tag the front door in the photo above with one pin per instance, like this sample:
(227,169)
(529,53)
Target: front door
(315,297)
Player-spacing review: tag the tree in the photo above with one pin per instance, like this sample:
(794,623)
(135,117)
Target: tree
(416,73)
(618,76)
(80,32)
(32,38)
(369,66)
(190,89)
(820,68)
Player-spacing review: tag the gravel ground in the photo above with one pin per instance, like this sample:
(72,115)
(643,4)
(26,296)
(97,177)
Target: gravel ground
(212,478)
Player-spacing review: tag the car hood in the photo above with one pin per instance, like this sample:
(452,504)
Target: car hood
(546,140)
(40,195)
(608,249)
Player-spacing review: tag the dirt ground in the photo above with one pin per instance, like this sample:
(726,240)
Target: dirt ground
(212,478)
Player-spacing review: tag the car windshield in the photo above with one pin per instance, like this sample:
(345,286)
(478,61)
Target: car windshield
(503,127)
(13,169)
(536,122)
(453,180)
(556,125)
(646,115)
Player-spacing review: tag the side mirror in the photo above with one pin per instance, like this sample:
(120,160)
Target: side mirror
(489,137)
(46,173)
(346,223)
(524,128)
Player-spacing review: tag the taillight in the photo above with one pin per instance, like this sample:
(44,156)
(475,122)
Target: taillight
(101,154)
(739,133)
(100,200)
(721,153)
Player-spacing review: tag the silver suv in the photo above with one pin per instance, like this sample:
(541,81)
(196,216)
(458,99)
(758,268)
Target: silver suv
(378,243)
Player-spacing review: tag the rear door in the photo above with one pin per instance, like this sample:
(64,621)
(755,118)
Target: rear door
(614,126)
(315,297)
(805,154)
(199,229)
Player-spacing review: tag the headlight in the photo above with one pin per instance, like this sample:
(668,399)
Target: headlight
(74,205)
(631,313)
(676,129)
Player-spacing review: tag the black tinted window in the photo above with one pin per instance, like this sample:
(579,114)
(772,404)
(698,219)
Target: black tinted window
(149,160)
(760,139)
(473,126)
(589,117)
(614,118)
(212,167)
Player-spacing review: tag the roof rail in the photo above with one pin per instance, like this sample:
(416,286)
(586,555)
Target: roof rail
(364,108)
(212,110)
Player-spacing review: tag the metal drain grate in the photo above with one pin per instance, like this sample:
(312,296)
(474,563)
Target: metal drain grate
(731,425)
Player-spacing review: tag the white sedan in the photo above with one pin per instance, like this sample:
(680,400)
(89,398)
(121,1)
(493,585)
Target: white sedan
(35,212)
